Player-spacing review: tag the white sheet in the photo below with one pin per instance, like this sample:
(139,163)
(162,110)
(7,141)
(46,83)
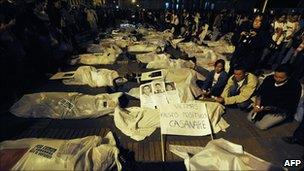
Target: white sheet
(152,56)
(65,105)
(89,153)
(219,154)
(87,75)
(170,63)
(138,123)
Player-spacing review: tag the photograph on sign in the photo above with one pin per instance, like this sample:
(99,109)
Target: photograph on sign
(158,93)
(172,93)
(146,93)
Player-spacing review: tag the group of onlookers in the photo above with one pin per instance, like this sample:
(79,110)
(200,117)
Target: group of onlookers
(36,37)
(261,41)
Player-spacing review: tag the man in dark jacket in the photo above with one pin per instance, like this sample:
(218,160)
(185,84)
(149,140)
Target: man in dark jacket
(215,81)
(277,99)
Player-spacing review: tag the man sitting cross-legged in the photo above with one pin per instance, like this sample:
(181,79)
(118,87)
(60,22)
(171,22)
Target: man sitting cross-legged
(277,99)
(239,89)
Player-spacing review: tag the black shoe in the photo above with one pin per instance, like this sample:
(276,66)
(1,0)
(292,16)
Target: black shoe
(292,140)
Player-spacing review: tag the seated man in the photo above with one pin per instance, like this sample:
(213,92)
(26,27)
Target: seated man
(215,80)
(277,99)
(239,89)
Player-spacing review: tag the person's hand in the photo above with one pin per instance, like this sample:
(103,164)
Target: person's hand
(205,93)
(219,99)
(253,33)
(243,33)
(258,108)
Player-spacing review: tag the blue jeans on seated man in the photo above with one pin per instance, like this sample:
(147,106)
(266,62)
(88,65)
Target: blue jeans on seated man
(243,106)
(234,91)
(246,105)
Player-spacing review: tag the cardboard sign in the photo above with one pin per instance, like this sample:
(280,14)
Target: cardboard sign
(152,75)
(189,119)
(158,93)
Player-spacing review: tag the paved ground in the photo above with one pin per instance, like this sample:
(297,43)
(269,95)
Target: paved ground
(145,155)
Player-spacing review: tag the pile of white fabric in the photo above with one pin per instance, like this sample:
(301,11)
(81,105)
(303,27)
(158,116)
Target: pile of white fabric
(65,105)
(205,57)
(185,80)
(142,47)
(104,47)
(139,123)
(124,40)
(175,42)
(156,41)
(153,34)
(170,63)
(89,153)
(221,46)
(215,111)
(87,75)
(136,122)
(190,48)
(220,154)
(152,56)
(108,55)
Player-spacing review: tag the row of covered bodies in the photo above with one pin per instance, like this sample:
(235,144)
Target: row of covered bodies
(136,122)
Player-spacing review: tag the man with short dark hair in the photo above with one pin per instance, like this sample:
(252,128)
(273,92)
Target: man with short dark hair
(239,89)
(158,88)
(277,99)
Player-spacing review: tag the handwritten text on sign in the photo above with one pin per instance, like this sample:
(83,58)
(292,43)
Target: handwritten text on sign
(184,119)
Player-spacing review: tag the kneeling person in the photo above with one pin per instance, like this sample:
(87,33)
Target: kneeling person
(277,99)
(239,89)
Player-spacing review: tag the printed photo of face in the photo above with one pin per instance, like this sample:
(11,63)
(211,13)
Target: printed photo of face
(170,86)
(158,88)
(146,90)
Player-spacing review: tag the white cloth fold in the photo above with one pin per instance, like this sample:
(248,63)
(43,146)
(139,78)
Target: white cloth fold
(64,105)
(88,153)
(219,154)
(87,75)
(170,63)
(136,122)
(151,56)
(215,112)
